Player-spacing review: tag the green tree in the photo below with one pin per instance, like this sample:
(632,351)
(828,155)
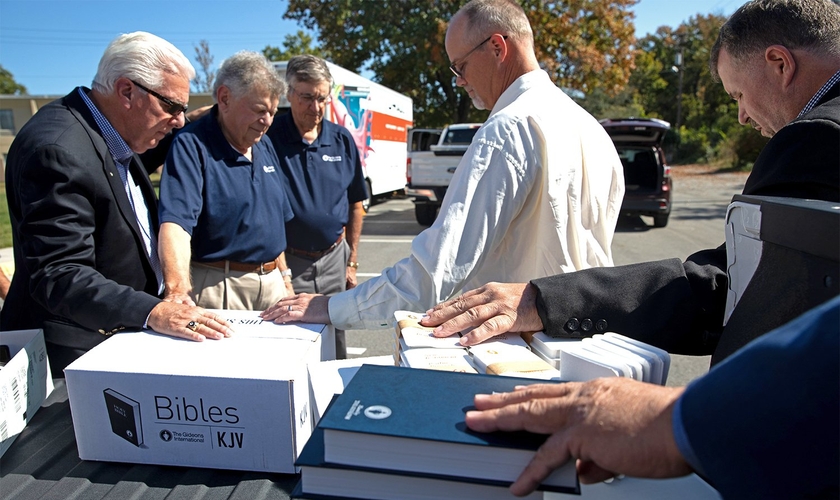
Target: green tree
(708,125)
(294,45)
(583,44)
(8,85)
(586,45)
(621,105)
(203,81)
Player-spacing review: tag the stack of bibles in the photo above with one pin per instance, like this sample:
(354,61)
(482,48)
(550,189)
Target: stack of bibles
(602,355)
(506,354)
(400,433)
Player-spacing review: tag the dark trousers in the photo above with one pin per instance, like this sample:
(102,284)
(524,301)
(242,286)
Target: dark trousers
(327,276)
(61,356)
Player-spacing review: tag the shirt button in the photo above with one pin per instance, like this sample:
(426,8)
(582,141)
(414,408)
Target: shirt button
(586,325)
(573,324)
(601,325)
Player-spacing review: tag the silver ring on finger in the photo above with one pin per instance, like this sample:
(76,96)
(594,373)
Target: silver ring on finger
(290,308)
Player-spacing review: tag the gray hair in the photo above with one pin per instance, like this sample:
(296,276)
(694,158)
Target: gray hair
(506,17)
(307,68)
(246,72)
(812,25)
(143,57)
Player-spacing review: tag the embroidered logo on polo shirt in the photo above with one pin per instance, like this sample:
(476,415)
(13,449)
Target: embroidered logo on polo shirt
(331,158)
(268,168)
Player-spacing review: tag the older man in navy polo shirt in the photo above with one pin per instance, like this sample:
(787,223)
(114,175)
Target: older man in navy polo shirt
(326,186)
(223,197)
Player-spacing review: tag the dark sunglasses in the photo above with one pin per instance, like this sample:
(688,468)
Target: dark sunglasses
(174,108)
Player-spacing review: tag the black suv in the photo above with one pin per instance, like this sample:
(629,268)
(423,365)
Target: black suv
(647,177)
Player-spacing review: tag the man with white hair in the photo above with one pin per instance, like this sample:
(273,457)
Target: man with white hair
(83,210)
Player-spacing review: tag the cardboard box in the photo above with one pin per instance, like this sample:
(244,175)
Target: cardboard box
(248,323)
(238,403)
(25,382)
(328,378)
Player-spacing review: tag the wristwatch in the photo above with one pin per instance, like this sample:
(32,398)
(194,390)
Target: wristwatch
(354,265)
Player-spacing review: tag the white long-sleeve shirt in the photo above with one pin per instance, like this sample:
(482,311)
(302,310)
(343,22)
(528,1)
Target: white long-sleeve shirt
(537,193)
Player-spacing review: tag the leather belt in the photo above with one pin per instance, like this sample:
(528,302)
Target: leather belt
(314,254)
(264,268)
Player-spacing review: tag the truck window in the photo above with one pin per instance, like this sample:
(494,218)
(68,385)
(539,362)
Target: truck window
(423,140)
(460,136)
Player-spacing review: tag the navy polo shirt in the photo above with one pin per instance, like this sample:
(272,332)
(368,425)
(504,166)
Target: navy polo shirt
(233,208)
(323,179)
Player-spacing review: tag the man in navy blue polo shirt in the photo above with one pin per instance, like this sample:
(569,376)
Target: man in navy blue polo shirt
(223,198)
(326,186)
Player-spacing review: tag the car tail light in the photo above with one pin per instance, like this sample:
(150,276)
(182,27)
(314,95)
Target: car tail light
(666,172)
(408,170)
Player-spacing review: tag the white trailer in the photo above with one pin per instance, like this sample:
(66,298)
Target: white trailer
(378,118)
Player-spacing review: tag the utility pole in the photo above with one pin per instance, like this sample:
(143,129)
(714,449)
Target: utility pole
(678,63)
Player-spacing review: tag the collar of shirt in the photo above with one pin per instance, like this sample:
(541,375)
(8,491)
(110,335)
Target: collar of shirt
(518,87)
(820,93)
(215,141)
(286,131)
(118,148)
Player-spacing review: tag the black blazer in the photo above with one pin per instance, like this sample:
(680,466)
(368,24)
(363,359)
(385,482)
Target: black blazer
(679,306)
(81,269)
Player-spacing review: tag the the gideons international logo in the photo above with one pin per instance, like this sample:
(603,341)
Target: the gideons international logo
(373,412)
(377,412)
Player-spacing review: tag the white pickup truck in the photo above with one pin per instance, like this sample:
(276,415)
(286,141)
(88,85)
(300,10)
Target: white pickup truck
(429,167)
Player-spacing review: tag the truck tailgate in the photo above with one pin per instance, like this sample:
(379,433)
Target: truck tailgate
(429,170)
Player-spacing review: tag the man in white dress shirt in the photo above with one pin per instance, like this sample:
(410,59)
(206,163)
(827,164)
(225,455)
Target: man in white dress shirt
(537,193)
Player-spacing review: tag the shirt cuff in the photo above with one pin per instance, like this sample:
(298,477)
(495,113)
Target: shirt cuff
(681,438)
(343,310)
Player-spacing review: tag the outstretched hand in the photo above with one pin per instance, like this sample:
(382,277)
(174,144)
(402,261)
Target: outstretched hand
(179,298)
(188,322)
(610,425)
(493,309)
(303,307)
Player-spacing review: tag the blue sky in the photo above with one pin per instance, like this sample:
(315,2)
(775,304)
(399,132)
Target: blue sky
(51,46)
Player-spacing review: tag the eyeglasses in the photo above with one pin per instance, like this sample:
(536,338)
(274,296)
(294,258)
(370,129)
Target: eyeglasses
(308,99)
(174,108)
(454,66)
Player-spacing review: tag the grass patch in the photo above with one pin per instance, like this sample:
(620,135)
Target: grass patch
(5,221)
(155,177)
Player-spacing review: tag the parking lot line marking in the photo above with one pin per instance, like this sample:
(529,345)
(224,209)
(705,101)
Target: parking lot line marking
(382,240)
(391,222)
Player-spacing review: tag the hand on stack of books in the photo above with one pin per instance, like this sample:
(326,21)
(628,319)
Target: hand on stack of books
(400,433)
(530,355)
(506,354)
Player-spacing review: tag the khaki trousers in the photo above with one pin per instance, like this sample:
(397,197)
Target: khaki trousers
(217,288)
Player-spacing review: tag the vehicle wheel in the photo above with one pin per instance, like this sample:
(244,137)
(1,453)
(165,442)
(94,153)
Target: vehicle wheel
(366,203)
(660,220)
(425,213)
